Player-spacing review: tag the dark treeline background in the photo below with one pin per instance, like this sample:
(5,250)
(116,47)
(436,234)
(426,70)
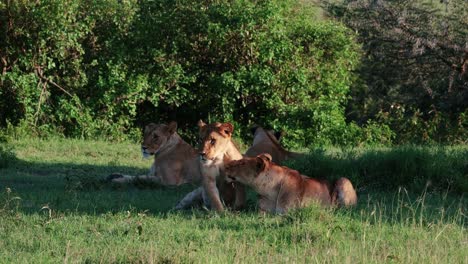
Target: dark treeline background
(327,73)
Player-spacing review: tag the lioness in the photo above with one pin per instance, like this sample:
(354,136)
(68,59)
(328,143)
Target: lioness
(175,161)
(266,141)
(216,148)
(281,188)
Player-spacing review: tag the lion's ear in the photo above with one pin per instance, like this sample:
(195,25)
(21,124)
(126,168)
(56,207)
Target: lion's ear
(227,128)
(265,156)
(261,164)
(253,129)
(201,123)
(172,127)
(149,127)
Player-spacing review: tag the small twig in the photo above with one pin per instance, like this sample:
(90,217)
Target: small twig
(44,85)
(4,66)
(123,97)
(39,73)
(56,85)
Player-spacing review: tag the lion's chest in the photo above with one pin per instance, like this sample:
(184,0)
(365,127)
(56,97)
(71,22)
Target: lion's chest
(213,171)
(164,164)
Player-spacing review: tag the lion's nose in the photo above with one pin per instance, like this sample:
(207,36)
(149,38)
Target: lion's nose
(203,154)
(144,148)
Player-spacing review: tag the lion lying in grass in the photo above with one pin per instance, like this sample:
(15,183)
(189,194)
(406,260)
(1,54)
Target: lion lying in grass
(267,141)
(175,161)
(281,188)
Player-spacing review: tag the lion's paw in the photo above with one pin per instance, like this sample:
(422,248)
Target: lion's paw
(114,176)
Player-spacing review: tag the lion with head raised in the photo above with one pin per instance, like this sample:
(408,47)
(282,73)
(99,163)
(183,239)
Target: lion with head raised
(175,161)
(281,188)
(215,149)
(267,141)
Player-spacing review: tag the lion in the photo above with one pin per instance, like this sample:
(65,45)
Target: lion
(281,188)
(175,161)
(267,141)
(215,149)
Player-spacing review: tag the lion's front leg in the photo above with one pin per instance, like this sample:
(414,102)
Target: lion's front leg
(146,180)
(150,178)
(209,185)
(194,197)
(209,176)
(129,179)
(265,205)
(239,203)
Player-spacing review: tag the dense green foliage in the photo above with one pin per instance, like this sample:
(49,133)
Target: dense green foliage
(48,214)
(87,68)
(415,68)
(106,68)
(57,57)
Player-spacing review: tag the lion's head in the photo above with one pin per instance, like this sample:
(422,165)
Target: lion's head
(214,141)
(156,137)
(247,170)
(275,135)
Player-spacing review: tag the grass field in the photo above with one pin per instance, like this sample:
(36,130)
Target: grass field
(54,208)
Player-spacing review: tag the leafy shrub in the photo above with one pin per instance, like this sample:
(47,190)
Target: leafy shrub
(50,59)
(414,77)
(87,69)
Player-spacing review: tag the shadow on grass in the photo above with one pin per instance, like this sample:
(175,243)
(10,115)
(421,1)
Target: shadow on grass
(81,189)
(401,209)
(415,168)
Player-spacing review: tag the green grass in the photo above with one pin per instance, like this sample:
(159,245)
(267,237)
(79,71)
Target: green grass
(440,168)
(58,210)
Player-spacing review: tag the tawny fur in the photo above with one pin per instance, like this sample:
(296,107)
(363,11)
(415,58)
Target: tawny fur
(344,193)
(215,149)
(175,161)
(281,188)
(266,142)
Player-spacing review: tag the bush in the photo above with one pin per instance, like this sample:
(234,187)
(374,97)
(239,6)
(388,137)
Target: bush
(414,77)
(88,69)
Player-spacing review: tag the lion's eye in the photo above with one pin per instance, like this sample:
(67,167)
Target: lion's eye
(155,137)
(213,141)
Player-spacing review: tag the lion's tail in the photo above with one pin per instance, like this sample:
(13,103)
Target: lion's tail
(343,193)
